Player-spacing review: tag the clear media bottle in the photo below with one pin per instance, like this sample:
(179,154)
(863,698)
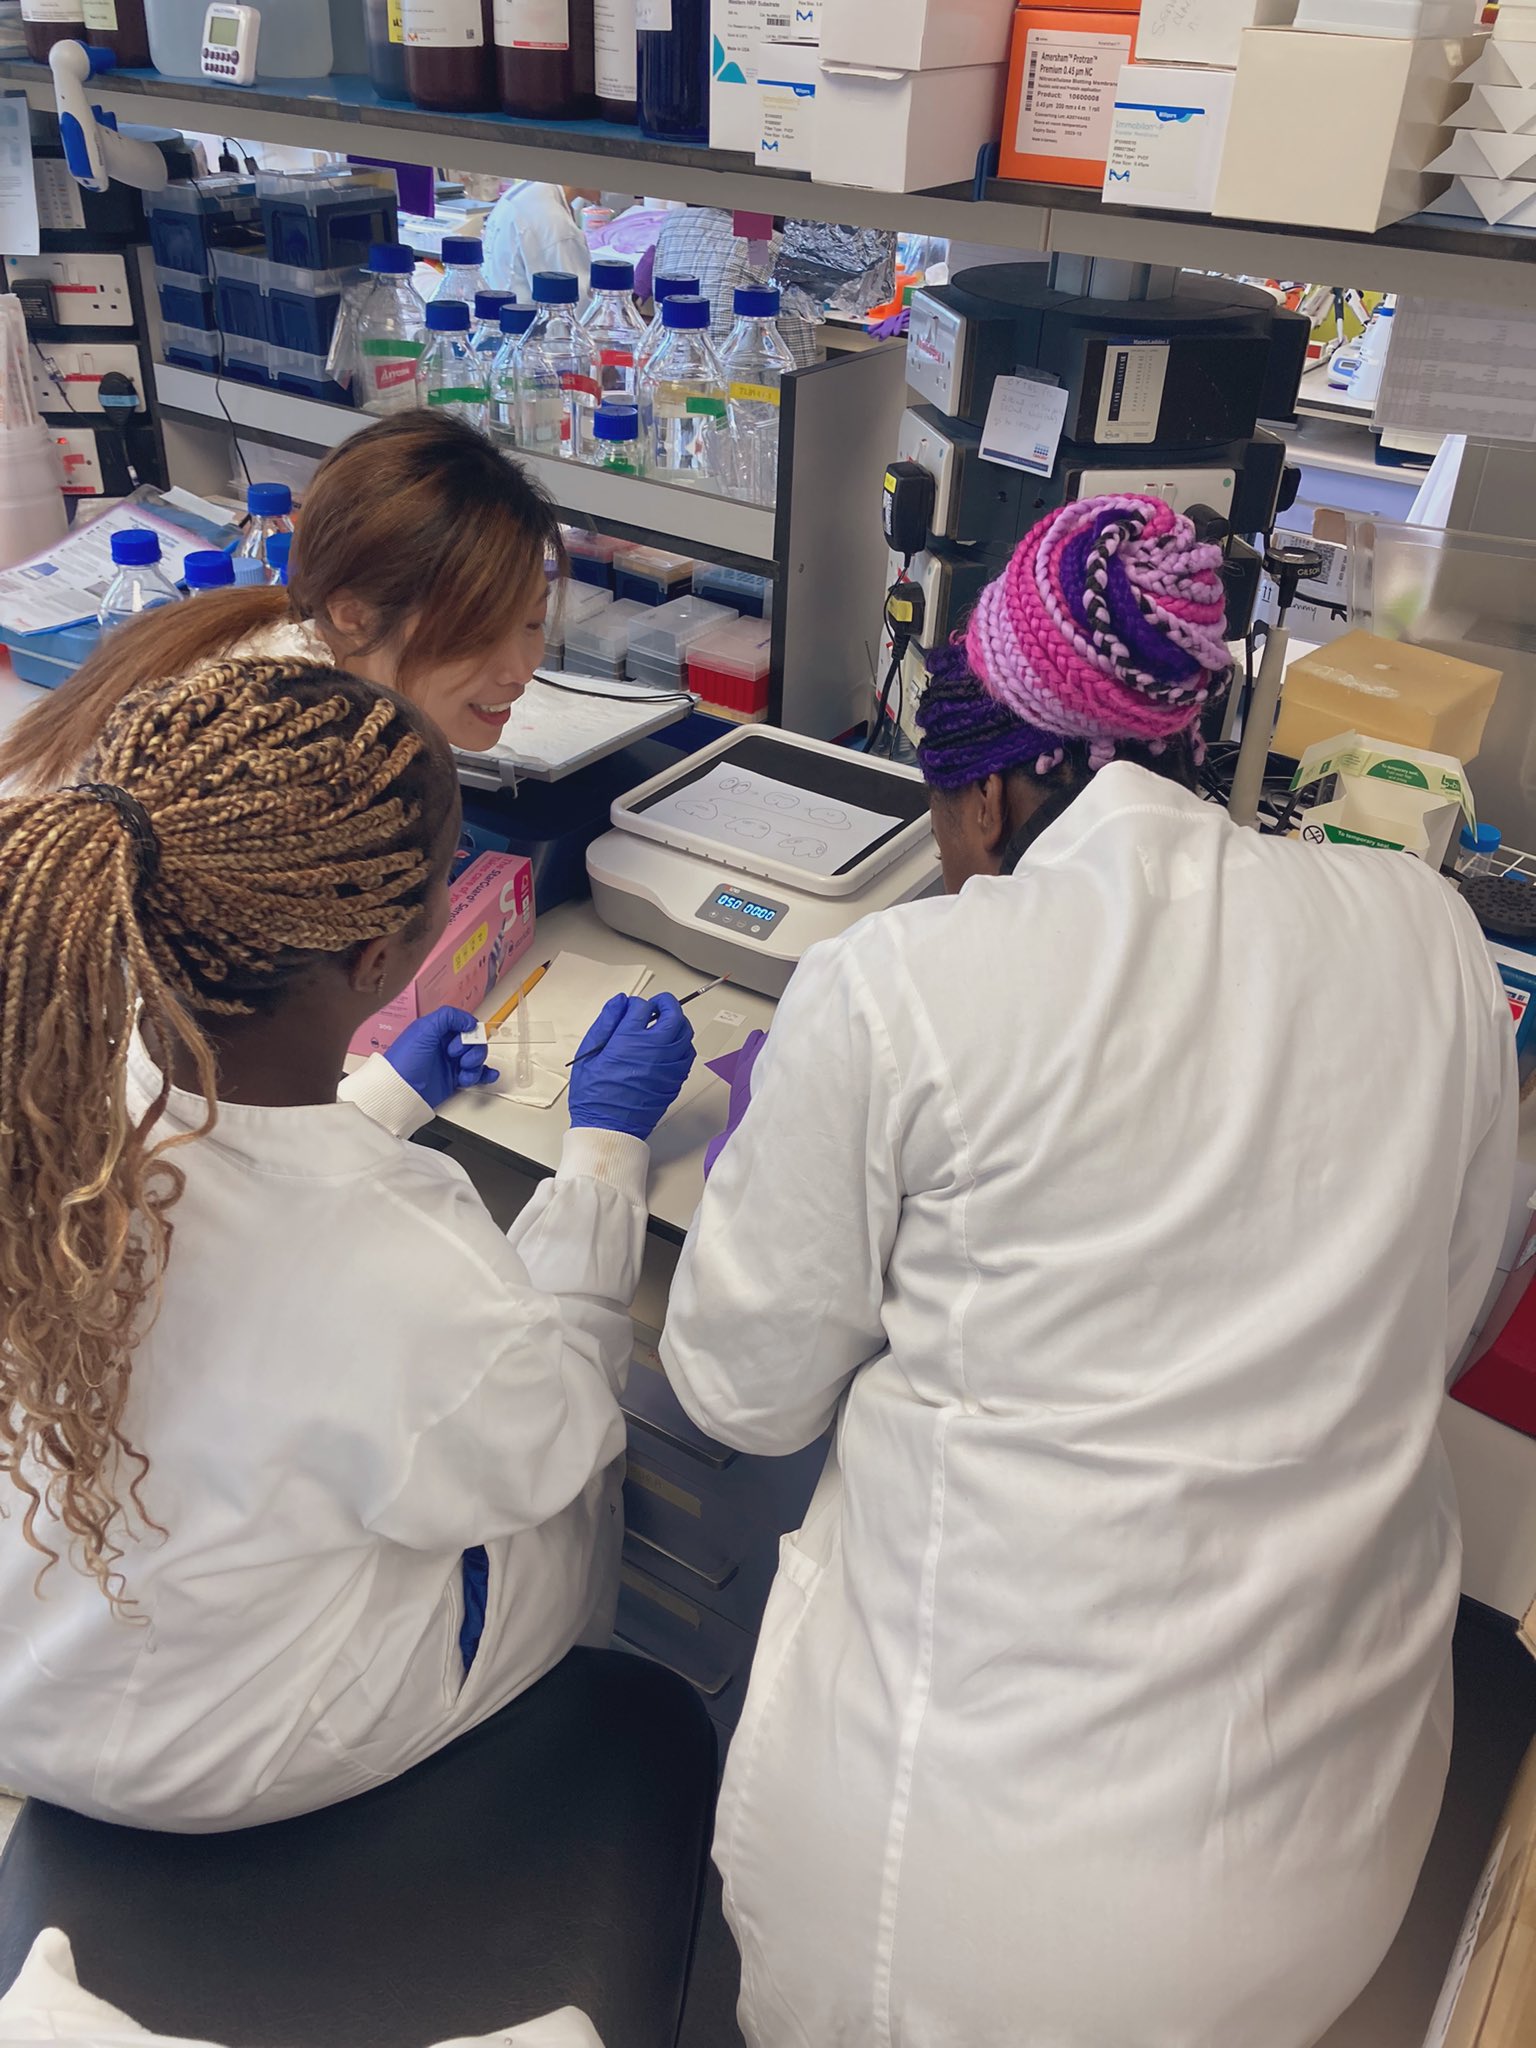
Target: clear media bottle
(451,378)
(515,323)
(611,322)
(391,332)
(682,395)
(270,511)
(556,372)
(485,333)
(462,278)
(673,46)
(140,584)
(662,289)
(755,360)
(616,439)
(207,569)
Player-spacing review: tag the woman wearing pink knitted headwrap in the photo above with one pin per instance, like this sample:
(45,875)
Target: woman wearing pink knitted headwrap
(1124,1211)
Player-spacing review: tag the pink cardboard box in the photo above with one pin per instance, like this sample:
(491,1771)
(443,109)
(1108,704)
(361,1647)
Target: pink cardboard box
(489,928)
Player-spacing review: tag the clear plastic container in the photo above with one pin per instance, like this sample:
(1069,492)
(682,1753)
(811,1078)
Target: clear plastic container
(451,377)
(450,55)
(662,640)
(384,26)
(207,569)
(391,333)
(186,297)
(269,509)
(756,361)
(683,399)
(176,36)
(295,40)
(188,219)
(652,575)
(118,26)
(591,556)
(613,24)
(750,595)
(140,584)
(198,348)
(504,373)
(46,22)
(247,360)
(546,58)
(462,277)
(673,69)
(676,285)
(611,322)
(306,372)
(730,668)
(599,645)
(485,333)
(616,445)
(327,219)
(574,604)
(556,373)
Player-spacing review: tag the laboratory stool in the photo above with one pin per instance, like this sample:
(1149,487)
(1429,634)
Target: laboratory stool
(553,1856)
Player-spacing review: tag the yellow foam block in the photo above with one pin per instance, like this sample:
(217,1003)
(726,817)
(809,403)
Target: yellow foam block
(1409,695)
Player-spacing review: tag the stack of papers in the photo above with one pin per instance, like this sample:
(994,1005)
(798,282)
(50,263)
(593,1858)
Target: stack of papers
(569,720)
(560,1011)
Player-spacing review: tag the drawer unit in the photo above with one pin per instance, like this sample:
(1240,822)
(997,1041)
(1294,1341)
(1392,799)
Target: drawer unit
(712,1654)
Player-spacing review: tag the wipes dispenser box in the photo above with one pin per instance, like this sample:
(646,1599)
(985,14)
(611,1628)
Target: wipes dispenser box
(1400,798)
(490,927)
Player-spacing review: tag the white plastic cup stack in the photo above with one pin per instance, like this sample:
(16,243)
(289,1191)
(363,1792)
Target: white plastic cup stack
(32,511)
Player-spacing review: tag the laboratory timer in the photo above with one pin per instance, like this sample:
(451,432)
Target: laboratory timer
(752,915)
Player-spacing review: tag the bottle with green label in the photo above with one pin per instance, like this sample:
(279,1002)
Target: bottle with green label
(391,332)
(755,360)
(452,378)
(683,401)
(616,438)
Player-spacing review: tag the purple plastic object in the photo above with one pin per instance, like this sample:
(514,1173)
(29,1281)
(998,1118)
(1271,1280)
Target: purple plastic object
(735,1069)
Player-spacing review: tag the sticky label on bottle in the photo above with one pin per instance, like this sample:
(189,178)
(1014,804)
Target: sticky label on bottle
(443,25)
(572,380)
(616,358)
(614,24)
(654,15)
(101,15)
(397,21)
(533,24)
(754,394)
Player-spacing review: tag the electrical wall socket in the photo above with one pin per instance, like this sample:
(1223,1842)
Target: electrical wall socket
(65,374)
(88,291)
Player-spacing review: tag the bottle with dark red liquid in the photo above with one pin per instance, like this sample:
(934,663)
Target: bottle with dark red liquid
(546,58)
(450,55)
(118,26)
(617,94)
(46,22)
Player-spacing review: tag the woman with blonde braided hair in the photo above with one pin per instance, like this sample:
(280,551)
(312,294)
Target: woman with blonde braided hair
(1127,1208)
(305,1468)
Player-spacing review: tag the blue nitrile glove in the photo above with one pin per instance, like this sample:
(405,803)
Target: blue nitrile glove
(431,1057)
(736,1071)
(630,1067)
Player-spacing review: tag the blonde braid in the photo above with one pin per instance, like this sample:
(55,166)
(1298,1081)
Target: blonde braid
(294,811)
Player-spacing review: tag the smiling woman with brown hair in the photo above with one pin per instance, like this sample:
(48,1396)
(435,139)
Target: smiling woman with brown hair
(421,562)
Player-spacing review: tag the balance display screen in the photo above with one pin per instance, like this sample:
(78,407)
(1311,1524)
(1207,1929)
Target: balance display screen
(223,29)
(738,913)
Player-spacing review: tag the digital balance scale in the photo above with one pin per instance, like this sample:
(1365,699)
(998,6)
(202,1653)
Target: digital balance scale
(745,855)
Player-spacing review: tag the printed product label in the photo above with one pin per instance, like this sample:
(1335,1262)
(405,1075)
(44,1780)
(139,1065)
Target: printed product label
(50,10)
(388,372)
(1067,105)
(754,394)
(397,21)
(614,24)
(533,24)
(653,14)
(443,24)
(100,14)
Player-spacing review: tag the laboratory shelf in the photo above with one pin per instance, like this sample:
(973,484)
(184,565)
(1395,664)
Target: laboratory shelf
(720,525)
(1431,255)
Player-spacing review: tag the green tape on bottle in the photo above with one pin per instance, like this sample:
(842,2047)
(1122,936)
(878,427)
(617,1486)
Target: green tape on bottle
(707,408)
(394,349)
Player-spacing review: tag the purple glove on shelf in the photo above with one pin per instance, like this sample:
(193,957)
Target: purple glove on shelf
(735,1069)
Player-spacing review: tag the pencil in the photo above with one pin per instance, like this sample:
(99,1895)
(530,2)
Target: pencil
(527,989)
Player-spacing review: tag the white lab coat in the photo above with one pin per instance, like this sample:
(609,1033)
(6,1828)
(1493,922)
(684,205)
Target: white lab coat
(1125,1213)
(354,1377)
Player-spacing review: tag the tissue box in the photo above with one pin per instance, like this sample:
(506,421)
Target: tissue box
(1353,121)
(1166,137)
(1203,31)
(1407,695)
(917,35)
(1062,82)
(1400,798)
(884,130)
(490,926)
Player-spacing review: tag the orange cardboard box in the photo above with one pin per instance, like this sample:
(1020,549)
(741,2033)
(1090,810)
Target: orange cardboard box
(1062,74)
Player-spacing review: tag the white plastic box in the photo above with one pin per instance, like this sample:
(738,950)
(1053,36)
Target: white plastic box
(916,35)
(883,130)
(788,103)
(1338,131)
(1166,136)
(1202,31)
(1389,17)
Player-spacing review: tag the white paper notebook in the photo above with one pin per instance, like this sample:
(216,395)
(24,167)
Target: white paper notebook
(561,1011)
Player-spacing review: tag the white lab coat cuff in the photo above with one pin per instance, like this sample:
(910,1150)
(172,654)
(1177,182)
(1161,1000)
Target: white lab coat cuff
(380,1093)
(612,1156)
